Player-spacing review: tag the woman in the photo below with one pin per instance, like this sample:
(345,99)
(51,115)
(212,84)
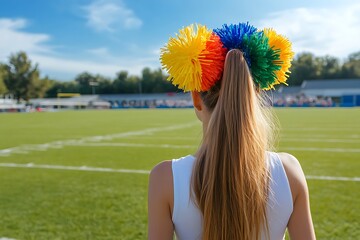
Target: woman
(232,188)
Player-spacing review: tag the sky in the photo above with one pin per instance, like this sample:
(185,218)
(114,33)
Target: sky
(67,37)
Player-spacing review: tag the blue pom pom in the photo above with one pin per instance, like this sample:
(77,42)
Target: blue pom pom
(232,36)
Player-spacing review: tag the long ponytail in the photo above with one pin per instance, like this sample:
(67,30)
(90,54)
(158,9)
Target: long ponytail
(230,177)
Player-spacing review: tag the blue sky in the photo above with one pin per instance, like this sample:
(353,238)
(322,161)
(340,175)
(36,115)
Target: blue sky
(67,37)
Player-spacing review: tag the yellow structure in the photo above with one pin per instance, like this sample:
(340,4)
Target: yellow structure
(64,95)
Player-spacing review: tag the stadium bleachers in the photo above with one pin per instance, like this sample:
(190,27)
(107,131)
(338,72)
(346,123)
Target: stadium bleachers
(320,93)
(312,93)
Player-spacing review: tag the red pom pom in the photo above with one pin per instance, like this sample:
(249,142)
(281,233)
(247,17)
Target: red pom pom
(212,62)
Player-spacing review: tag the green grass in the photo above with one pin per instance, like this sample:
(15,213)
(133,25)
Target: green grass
(60,204)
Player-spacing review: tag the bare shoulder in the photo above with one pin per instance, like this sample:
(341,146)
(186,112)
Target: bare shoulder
(291,165)
(300,224)
(294,174)
(160,196)
(161,181)
(162,170)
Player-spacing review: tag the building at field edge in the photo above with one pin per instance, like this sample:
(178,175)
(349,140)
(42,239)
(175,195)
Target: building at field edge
(343,92)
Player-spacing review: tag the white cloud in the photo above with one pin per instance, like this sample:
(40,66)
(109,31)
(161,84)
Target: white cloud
(67,69)
(102,52)
(110,15)
(13,39)
(156,51)
(325,31)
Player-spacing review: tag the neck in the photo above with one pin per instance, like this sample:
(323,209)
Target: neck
(205,123)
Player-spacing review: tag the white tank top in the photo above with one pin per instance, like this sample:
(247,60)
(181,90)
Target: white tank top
(187,218)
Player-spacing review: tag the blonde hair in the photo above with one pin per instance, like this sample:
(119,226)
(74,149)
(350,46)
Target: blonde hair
(230,177)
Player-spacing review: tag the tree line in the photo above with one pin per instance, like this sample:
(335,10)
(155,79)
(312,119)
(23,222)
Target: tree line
(307,66)
(21,77)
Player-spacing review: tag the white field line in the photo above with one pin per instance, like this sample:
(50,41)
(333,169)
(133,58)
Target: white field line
(320,140)
(311,149)
(299,135)
(97,169)
(133,145)
(308,149)
(59,144)
(336,129)
(300,139)
(330,178)
(165,138)
(72,168)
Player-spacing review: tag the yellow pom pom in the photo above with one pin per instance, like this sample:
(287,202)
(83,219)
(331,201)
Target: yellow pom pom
(277,41)
(180,57)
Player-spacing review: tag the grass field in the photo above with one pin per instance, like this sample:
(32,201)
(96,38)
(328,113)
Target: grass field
(39,202)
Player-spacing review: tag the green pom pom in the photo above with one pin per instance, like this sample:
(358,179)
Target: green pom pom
(263,59)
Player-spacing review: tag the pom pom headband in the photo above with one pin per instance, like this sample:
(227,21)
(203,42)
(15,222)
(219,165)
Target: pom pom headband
(195,58)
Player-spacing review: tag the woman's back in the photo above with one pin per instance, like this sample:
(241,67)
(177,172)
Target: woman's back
(234,189)
(187,217)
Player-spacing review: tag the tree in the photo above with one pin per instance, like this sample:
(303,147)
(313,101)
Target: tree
(303,67)
(85,80)
(119,83)
(21,77)
(148,80)
(61,87)
(105,85)
(155,82)
(133,85)
(351,66)
(124,83)
(327,67)
(40,87)
(3,88)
